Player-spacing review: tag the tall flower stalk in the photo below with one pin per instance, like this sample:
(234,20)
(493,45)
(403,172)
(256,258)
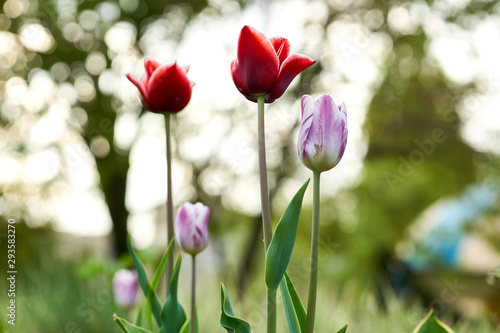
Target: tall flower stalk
(313,268)
(262,71)
(320,146)
(170,203)
(165,89)
(264,187)
(266,209)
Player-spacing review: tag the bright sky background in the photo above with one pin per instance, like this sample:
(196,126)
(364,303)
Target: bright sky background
(208,48)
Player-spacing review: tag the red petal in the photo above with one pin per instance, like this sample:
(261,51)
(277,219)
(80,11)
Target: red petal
(140,86)
(169,89)
(256,67)
(291,67)
(151,66)
(282,47)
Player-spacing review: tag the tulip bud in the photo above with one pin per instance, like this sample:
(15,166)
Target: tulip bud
(323,133)
(191,227)
(264,66)
(125,287)
(164,88)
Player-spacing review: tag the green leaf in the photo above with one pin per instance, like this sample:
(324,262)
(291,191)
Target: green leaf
(155,305)
(291,316)
(185,328)
(161,267)
(227,318)
(138,318)
(430,324)
(128,327)
(173,316)
(187,325)
(300,312)
(343,329)
(156,280)
(280,249)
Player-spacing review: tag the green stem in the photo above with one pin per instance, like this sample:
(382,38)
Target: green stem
(170,205)
(193,296)
(264,189)
(266,210)
(313,273)
(271,310)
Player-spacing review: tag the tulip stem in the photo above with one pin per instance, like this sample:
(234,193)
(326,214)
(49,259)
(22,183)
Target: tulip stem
(313,273)
(170,205)
(264,189)
(193,296)
(266,210)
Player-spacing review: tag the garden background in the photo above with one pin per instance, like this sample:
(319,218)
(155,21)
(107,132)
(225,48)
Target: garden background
(410,217)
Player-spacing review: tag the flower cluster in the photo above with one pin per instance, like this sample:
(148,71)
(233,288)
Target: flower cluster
(262,71)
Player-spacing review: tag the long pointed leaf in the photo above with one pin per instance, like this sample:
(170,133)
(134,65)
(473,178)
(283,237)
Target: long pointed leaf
(227,318)
(172,315)
(291,316)
(144,283)
(138,318)
(297,304)
(430,324)
(156,280)
(343,329)
(128,327)
(161,267)
(280,249)
(186,328)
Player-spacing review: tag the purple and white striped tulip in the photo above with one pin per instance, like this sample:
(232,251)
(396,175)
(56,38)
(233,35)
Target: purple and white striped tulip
(125,286)
(191,227)
(323,133)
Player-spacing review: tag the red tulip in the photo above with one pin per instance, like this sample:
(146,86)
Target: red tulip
(264,66)
(164,88)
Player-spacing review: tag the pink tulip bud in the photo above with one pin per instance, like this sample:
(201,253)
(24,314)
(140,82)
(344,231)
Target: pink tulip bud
(191,227)
(264,66)
(164,88)
(125,287)
(323,133)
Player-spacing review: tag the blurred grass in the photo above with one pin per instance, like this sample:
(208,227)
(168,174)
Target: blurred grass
(57,295)
(51,295)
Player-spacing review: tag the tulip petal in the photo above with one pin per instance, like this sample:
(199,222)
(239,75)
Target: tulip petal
(151,66)
(290,68)
(307,103)
(256,67)
(282,47)
(191,227)
(140,86)
(323,133)
(322,146)
(169,89)
(340,131)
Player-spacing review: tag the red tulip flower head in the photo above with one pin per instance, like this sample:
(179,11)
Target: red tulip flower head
(264,66)
(164,88)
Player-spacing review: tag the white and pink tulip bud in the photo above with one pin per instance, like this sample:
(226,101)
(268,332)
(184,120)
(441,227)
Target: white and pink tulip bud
(323,133)
(125,286)
(191,227)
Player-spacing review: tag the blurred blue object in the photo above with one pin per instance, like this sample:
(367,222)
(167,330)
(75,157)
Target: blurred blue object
(441,231)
